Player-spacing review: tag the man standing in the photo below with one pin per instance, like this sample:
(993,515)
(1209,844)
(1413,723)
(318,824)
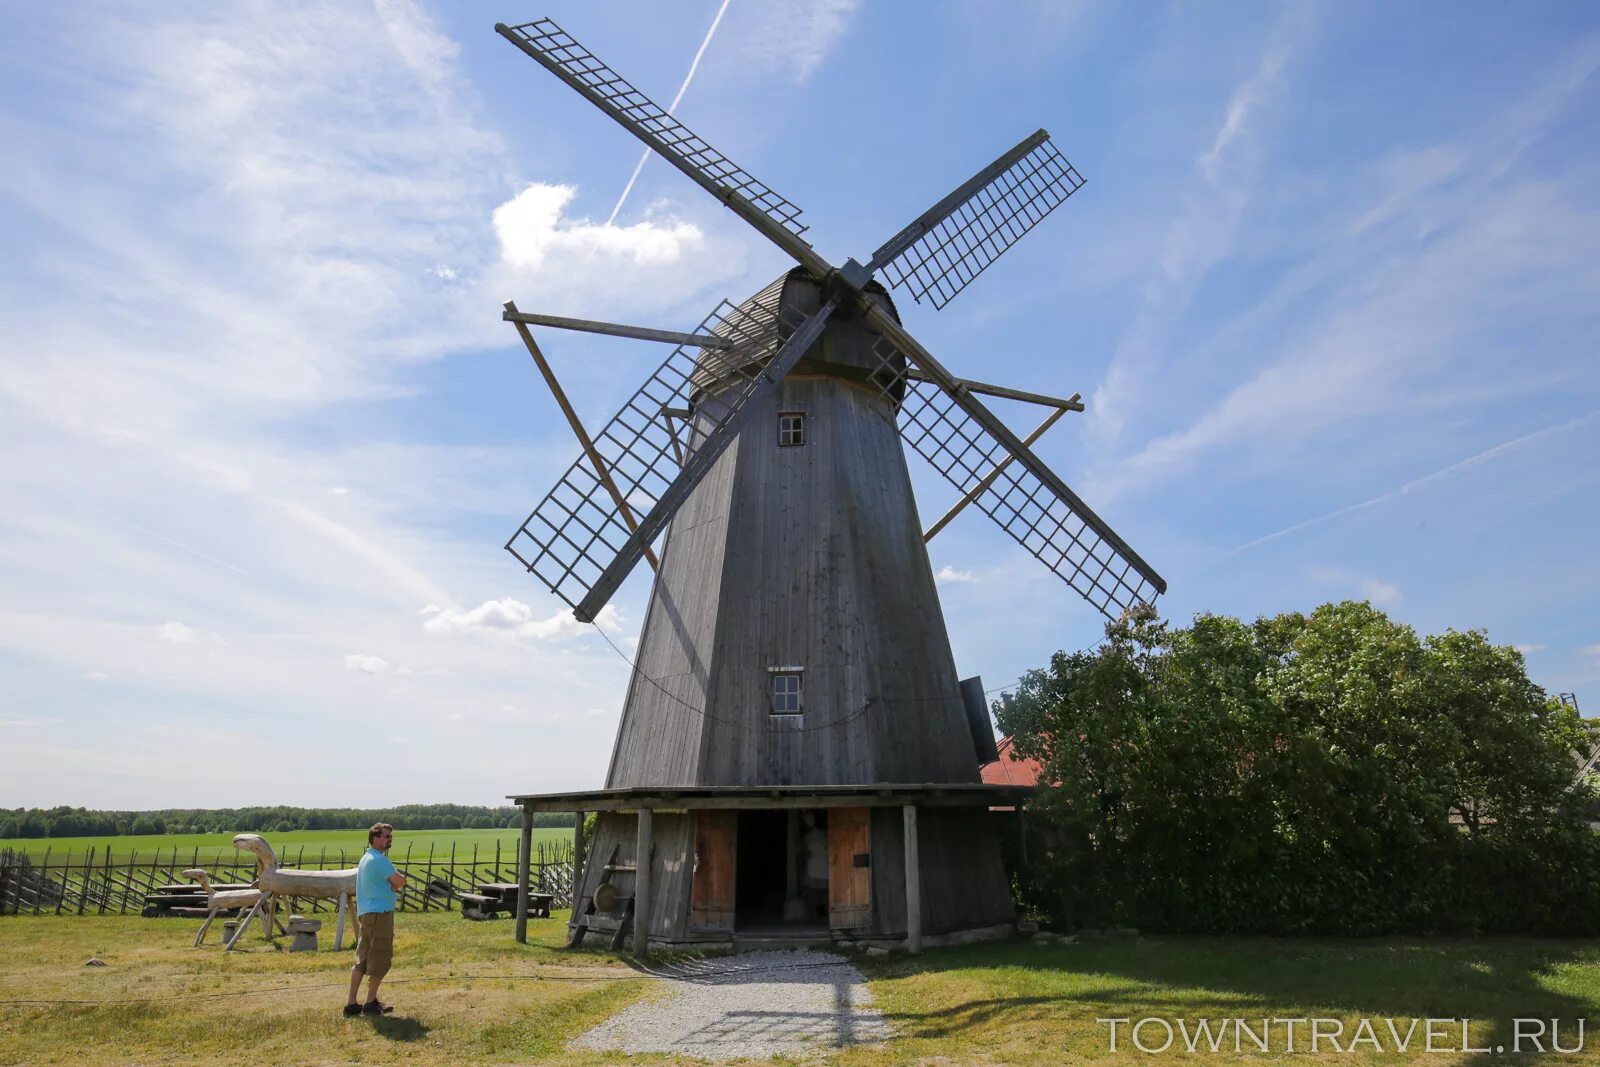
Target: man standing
(377,883)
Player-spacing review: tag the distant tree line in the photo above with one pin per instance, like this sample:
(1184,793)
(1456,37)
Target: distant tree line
(83,822)
(1330,773)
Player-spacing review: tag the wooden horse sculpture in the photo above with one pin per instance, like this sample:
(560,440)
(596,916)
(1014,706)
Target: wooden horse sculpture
(274,881)
(220,900)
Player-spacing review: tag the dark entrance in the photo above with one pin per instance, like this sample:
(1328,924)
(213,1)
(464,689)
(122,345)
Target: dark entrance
(782,871)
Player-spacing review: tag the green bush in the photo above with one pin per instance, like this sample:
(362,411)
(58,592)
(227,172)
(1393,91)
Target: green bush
(1322,774)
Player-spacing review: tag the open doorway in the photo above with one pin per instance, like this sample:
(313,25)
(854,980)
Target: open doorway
(782,871)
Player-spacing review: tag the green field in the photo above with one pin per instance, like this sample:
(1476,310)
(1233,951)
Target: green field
(210,848)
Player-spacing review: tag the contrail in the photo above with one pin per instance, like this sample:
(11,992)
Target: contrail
(191,551)
(671,108)
(1413,486)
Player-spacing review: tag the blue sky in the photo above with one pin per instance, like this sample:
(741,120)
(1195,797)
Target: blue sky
(1329,294)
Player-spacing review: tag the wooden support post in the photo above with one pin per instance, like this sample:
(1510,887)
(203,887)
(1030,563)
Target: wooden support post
(338,936)
(577,863)
(641,886)
(913,884)
(522,875)
(988,480)
(600,469)
(793,907)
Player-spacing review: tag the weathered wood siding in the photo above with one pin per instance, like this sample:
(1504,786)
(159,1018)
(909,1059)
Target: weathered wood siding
(670,869)
(808,556)
(964,882)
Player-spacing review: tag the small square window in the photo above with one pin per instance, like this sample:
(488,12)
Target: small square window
(791,429)
(785,693)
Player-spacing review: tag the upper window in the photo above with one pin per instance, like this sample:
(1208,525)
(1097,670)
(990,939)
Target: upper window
(791,428)
(785,692)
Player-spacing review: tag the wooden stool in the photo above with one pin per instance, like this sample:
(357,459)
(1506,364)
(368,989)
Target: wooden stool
(304,931)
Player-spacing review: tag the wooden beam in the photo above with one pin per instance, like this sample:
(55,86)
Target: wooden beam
(577,428)
(615,329)
(913,883)
(1067,403)
(977,490)
(641,886)
(577,862)
(522,875)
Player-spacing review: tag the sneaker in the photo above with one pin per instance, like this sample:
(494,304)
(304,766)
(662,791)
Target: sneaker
(352,1010)
(376,1007)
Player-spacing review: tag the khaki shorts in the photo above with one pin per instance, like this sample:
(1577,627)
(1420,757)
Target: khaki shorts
(374,943)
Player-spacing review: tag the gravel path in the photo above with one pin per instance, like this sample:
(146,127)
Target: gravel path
(755,1004)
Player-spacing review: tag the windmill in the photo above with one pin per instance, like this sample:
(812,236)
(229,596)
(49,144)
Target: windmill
(797,758)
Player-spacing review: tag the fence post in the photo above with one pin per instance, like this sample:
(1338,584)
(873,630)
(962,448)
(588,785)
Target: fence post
(66,877)
(88,866)
(105,882)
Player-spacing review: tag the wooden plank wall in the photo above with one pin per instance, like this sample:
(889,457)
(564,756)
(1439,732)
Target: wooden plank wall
(809,556)
(964,883)
(671,870)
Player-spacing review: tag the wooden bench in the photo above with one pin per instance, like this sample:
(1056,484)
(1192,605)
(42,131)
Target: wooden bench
(497,897)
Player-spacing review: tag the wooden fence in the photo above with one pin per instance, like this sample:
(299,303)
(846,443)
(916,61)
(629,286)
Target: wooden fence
(94,883)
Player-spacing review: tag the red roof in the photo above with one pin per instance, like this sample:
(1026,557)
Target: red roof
(1010,769)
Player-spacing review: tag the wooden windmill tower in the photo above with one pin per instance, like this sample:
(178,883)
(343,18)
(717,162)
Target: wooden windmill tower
(797,759)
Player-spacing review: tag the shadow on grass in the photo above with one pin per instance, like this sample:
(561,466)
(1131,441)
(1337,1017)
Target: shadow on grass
(400,1028)
(1491,982)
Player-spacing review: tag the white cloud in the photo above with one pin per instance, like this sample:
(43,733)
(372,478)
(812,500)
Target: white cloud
(366,664)
(948,573)
(1593,652)
(1528,649)
(18,724)
(784,35)
(1380,593)
(1383,594)
(513,617)
(179,634)
(535,236)
(1199,236)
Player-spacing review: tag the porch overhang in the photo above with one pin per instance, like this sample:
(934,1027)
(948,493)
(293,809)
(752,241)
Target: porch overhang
(685,798)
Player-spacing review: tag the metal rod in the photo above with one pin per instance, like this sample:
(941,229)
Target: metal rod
(1070,403)
(938,212)
(641,333)
(577,427)
(988,480)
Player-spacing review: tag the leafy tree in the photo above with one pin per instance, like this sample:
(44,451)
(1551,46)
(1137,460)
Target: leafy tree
(1324,773)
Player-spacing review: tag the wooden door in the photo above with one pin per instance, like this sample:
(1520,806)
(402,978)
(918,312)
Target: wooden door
(849,868)
(716,843)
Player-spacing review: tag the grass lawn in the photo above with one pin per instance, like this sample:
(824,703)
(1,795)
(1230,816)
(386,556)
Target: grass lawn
(467,993)
(214,846)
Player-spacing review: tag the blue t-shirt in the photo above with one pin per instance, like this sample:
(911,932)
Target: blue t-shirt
(373,892)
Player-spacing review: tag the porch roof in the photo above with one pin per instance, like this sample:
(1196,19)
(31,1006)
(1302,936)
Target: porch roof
(878,795)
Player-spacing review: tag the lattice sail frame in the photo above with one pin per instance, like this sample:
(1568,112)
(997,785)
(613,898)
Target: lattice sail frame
(576,531)
(1048,525)
(557,51)
(945,260)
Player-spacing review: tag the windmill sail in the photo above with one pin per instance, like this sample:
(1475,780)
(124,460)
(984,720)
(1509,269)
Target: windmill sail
(957,239)
(561,55)
(583,548)
(947,427)
(575,532)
